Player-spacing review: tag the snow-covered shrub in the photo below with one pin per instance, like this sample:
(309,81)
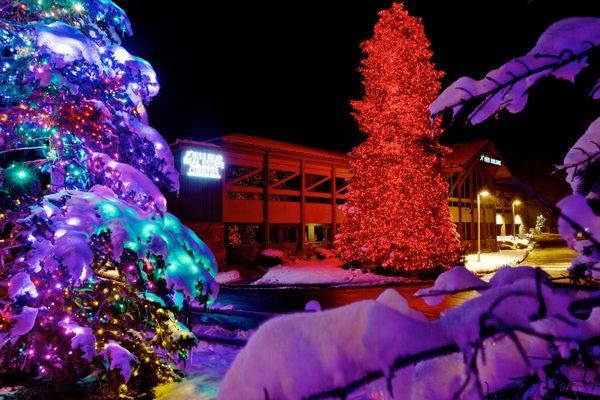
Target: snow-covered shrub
(271,258)
(323,254)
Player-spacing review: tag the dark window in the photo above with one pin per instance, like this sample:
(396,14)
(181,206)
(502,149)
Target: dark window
(283,233)
(321,200)
(341,185)
(312,181)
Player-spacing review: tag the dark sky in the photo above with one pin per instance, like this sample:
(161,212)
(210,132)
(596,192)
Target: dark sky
(287,70)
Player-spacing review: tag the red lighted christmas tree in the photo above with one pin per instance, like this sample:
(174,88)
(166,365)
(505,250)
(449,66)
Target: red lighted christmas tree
(396,211)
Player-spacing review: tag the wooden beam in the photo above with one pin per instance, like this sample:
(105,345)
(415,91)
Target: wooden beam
(318,183)
(248,175)
(281,182)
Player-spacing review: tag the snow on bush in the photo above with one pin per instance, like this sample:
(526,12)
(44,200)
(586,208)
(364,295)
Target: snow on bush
(72,217)
(454,280)
(323,254)
(271,257)
(272,253)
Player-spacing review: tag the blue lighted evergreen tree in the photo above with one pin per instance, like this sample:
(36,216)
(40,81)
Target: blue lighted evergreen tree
(94,273)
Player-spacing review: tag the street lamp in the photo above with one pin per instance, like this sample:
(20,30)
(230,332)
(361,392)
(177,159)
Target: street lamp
(483,193)
(514,216)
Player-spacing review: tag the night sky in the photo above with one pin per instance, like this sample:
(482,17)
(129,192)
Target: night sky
(288,70)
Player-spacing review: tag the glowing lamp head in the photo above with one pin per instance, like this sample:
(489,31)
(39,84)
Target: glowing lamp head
(484,193)
(517,202)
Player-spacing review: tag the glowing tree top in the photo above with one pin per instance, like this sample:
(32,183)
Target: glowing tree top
(396,213)
(95,272)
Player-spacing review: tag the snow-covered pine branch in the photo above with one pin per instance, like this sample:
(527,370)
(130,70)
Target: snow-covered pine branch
(583,154)
(561,52)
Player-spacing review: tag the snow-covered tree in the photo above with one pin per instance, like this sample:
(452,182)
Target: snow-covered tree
(540,222)
(523,337)
(94,273)
(396,206)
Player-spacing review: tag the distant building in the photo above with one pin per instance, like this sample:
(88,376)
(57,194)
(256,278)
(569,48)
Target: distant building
(241,193)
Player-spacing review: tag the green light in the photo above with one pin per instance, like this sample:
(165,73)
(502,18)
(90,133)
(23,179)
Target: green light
(19,175)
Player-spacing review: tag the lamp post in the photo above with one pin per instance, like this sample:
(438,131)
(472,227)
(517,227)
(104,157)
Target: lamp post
(514,216)
(483,193)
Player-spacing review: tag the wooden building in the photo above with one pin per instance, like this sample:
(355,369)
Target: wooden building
(241,193)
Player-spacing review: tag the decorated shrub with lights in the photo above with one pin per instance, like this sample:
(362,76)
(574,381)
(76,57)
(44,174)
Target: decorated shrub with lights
(94,273)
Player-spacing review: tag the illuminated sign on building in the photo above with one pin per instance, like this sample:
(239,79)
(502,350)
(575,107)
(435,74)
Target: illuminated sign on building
(490,160)
(203,165)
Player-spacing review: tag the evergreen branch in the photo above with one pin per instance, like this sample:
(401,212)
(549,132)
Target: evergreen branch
(507,85)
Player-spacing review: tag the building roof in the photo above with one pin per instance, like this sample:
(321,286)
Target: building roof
(462,153)
(270,144)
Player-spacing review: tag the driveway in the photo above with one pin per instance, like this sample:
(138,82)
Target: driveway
(553,260)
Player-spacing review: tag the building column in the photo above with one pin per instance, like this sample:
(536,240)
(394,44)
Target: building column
(266,186)
(301,237)
(333,203)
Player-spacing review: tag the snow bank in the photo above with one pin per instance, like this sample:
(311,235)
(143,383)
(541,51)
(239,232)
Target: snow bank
(205,368)
(293,356)
(272,253)
(228,277)
(493,261)
(513,240)
(322,272)
(300,355)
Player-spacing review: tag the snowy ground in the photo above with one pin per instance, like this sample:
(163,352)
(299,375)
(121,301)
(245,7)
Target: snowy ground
(205,369)
(323,272)
(494,261)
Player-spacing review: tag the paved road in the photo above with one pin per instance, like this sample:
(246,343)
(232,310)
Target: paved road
(553,260)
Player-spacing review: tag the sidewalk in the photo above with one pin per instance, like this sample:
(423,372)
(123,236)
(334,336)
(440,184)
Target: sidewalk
(491,262)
